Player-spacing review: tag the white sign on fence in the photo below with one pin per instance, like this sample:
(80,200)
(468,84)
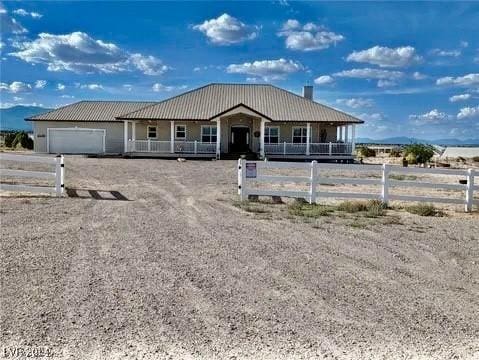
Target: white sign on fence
(250,170)
(57,175)
(313,178)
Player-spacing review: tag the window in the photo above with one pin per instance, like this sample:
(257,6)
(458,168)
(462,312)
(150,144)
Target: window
(151,132)
(208,134)
(180,132)
(271,135)
(299,135)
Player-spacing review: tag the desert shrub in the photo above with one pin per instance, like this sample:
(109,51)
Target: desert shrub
(22,139)
(402,177)
(461,159)
(375,208)
(9,138)
(251,207)
(364,151)
(309,210)
(418,153)
(352,206)
(395,153)
(475,158)
(424,210)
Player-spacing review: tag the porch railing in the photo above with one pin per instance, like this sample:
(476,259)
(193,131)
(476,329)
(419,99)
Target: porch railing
(328,149)
(181,147)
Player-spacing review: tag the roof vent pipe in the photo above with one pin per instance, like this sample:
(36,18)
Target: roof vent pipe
(308,92)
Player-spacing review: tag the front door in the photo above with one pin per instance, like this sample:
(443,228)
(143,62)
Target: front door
(240,139)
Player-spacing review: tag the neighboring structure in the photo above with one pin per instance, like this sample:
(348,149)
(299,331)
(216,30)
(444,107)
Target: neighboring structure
(248,118)
(383,149)
(453,152)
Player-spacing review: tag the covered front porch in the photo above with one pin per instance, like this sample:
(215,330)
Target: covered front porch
(239,131)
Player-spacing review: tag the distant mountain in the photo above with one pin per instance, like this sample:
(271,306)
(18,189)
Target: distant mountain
(13,118)
(409,140)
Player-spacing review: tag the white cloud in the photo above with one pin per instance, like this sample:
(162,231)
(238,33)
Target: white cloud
(266,69)
(9,24)
(386,83)
(324,80)
(371,117)
(90,86)
(464,44)
(65,96)
(468,112)
(160,87)
(466,80)
(386,57)
(356,103)
(80,53)
(61,87)
(23,12)
(40,84)
(128,87)
(227,30)
(15,87)
(446,53)
(461,97)
(6,105)
(432,117)
(368,73)
(418,76)
(308,37)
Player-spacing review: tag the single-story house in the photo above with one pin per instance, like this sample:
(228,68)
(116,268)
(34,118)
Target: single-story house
(210,121)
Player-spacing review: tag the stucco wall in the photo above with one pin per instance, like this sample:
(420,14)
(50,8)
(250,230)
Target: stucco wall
(113,133)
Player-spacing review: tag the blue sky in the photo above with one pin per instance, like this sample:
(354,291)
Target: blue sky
(406,68)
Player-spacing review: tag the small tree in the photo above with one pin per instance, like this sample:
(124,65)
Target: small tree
(418,153)
(9,138)
(364,151)
(22,139)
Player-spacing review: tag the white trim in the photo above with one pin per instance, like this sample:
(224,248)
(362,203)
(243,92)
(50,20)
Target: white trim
(176,131)
(148,131)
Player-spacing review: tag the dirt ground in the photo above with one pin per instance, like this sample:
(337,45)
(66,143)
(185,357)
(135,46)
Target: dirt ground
(154,259)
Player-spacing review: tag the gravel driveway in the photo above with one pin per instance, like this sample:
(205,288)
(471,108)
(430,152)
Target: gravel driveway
(178,271)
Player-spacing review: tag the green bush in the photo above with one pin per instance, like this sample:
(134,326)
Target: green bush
(364,151)
(395,153)
(22,140)
(9,137)
(424,210)
(418,153)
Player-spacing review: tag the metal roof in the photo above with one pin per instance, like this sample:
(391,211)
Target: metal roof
(210,101)
(205,103)
(91,111)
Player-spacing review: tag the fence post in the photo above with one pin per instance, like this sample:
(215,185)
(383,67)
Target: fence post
(469,190)
(59,175)
(242,179)
(330,148)
(313,180)
(385,183)
(284,148)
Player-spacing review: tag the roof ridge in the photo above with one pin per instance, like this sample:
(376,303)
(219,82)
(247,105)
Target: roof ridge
(52,110)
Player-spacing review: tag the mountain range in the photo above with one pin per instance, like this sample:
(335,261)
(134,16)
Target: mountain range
(411,140)
(13,118)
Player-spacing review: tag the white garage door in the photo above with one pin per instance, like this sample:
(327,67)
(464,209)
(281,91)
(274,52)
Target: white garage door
(76,141)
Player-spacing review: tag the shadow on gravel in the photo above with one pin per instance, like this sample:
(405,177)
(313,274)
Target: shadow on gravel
(95,194)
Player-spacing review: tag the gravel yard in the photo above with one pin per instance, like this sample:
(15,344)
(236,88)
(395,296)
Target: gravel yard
(155,259)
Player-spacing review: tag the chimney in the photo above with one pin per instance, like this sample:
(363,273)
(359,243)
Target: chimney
(308,92)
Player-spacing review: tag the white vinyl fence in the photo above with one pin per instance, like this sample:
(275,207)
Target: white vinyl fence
(250,172)
(57,175)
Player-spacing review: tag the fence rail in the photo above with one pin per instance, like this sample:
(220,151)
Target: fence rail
(181,147)
(57,175)
(253,171)
(330,149)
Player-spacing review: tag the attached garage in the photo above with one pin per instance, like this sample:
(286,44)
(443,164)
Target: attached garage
(75,141)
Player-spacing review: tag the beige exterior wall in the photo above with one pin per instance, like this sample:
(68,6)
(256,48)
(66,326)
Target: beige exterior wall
(114,142)
(113,134)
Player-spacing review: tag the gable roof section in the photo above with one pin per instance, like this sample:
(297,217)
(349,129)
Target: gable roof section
(91,111)
(210,101)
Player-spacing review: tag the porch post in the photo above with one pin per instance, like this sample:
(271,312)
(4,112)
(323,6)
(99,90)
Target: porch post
(133,130)
(172,136)
(346,131)
(261,139)
(308,136)
(340,134)
(125,136)
(218,138)
(353,138)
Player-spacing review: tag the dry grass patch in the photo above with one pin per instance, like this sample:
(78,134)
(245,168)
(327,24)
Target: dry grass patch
(309,210)
(402,177)
(424,210)
(371,208)
(251,207)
